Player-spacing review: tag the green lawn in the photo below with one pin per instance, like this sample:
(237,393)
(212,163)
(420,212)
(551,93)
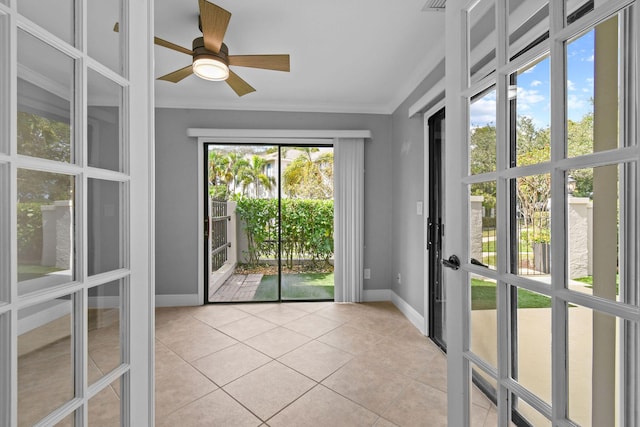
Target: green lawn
(27,272)
(483,297)
(296,286)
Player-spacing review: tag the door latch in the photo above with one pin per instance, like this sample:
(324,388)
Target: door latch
(453,262)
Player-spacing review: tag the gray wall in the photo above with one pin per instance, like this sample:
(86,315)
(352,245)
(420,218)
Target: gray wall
(176,187)
(408,188)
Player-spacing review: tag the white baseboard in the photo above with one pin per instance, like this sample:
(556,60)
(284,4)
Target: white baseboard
(104,302)
(179,300)
(410,313)
(376,295)
(35,316)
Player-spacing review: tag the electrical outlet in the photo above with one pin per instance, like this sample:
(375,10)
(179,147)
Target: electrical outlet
(399,278)
(367,273)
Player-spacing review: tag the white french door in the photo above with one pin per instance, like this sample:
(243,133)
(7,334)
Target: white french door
(542,188)
(76,282)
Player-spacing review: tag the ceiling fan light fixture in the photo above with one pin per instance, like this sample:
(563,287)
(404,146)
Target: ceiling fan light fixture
(210,68)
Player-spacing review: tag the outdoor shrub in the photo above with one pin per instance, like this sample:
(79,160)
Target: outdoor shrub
(307,229)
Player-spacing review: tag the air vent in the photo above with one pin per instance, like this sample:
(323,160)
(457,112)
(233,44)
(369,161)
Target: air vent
(434,6)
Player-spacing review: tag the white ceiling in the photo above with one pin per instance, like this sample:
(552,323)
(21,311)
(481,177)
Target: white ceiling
(346,55)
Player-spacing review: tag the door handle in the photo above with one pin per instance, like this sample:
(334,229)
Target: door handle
(453,262)
(476,262)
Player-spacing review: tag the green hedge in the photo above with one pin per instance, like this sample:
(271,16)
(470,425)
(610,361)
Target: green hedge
(307,229)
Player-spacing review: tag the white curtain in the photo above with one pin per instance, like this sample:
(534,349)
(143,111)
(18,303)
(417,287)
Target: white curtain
(349,218)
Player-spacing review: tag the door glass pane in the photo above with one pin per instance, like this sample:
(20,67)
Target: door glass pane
(68,421)
(103,126)
(104,206)
(593,90)
(45,91)
(4,82)
(531,231)
(102,41)
(593,359)
(483,318)
(528,412)
(45,358)
(482,142)
(5,260)
(528,21)
(307,223)
(484,384)
(482,40)
(41,13)
(482,229)
(105,407)
(529,95)
(46,229)
(532,355)
(243,222)
(104,308)
(595,223)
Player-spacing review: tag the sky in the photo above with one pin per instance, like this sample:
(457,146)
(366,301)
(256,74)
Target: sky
(533,90)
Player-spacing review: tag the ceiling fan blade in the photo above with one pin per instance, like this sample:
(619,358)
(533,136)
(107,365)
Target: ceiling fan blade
(267,62)
(238,85)
(173,46)
(177,75)
(214,20)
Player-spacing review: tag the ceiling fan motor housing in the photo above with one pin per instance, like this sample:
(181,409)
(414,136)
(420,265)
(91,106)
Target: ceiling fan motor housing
(199,51)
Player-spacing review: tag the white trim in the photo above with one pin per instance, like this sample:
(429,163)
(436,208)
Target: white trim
(277,133)
(436,93)
(178,300)
(410,313)
(42,314)
(104,302)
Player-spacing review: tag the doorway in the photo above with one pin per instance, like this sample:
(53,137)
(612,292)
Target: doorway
(437,296)
(268,222)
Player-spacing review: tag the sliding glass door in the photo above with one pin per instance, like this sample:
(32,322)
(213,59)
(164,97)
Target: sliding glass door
(268,223)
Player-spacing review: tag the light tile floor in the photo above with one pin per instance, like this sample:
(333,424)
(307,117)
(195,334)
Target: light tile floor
(300,364)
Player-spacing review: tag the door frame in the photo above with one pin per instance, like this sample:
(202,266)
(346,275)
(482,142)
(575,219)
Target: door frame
(460,91)
(440,105)
(207,222)
(136,112)
(248,136)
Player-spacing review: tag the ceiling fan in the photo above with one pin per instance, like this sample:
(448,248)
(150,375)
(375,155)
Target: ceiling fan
(211,59)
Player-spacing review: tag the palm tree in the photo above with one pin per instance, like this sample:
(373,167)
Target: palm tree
(235,163)
(253,173)
(218,185)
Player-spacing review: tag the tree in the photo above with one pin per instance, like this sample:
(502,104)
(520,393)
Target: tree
(580,142)
(482,158)
(235,163)
(218,185)
(49,139)
(309,178)
(253,174)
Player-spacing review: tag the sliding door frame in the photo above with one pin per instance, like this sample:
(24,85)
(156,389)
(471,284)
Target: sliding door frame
(285,137)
